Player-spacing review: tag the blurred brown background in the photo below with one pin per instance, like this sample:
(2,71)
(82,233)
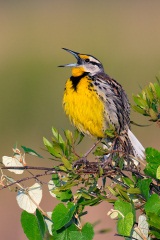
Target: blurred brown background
(124,35)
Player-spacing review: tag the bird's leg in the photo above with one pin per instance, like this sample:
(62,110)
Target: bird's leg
(83,160)
(127,149)
(123,149)
(108,158)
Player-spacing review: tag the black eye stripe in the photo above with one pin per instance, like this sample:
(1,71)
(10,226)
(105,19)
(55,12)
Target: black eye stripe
(94,63)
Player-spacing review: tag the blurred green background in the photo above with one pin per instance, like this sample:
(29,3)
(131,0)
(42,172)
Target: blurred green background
(124,35)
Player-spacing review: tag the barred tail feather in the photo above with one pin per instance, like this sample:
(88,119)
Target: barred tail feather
(138,149)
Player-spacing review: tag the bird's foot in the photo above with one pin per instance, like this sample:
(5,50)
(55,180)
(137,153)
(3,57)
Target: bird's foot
(107,161)
(79,162)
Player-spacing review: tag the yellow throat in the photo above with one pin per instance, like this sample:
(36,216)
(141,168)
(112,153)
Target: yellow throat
(83,105)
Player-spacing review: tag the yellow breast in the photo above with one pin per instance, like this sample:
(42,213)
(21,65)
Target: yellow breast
(84,107)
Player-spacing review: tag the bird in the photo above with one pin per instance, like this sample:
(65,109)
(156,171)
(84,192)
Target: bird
(95,102)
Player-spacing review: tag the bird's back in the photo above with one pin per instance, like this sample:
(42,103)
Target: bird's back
(117,107)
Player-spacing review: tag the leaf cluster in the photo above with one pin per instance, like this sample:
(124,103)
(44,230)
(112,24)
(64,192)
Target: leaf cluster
(148,101)
(127,192)
(133,193)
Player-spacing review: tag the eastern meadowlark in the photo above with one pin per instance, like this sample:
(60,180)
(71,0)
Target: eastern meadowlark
(95,102)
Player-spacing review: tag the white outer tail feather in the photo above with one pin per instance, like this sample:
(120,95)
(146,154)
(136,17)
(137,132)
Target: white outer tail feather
(138,149)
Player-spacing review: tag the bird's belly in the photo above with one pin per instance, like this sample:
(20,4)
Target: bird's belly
(85,110)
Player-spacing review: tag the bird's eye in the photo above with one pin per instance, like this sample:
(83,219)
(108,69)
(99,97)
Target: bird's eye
(87,60)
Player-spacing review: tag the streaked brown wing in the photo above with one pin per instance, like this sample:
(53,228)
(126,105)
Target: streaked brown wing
(116,102)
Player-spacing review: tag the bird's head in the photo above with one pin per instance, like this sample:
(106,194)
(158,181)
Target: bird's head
(85,63)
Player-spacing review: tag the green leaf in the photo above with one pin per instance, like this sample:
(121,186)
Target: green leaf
(57,135)
(46,142)
(75,134)
(153,162)
(139,110)
(154,220)
(99,151)
(152,155)
(149,94)
(123,207)
(62,146)
(31,152)
(41,223)
(153,113)
(122,192)
(31,226)
(68,184)
(153,204)
(157,89)
(140,101)
(110,131)
(114,193)
(124,225)
(55,179)
(64,196)
(158,173)
(62,168)
(69,136)
(86,233)
(144,186)
(85,195)
(66,163)
(137,99)
(135,179)
(72,233)
(63,233)
(128,181)
(124,195)
(155,232)
(81,136)
(91,202)
(133,191)
(121,163)
(62,215)
(147,102)
(54,150)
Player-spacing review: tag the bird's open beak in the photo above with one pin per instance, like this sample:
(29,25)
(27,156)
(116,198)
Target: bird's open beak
(76,54)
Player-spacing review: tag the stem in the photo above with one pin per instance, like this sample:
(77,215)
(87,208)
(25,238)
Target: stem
(91,149)
(39,208)
(25,179)
(30,167)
